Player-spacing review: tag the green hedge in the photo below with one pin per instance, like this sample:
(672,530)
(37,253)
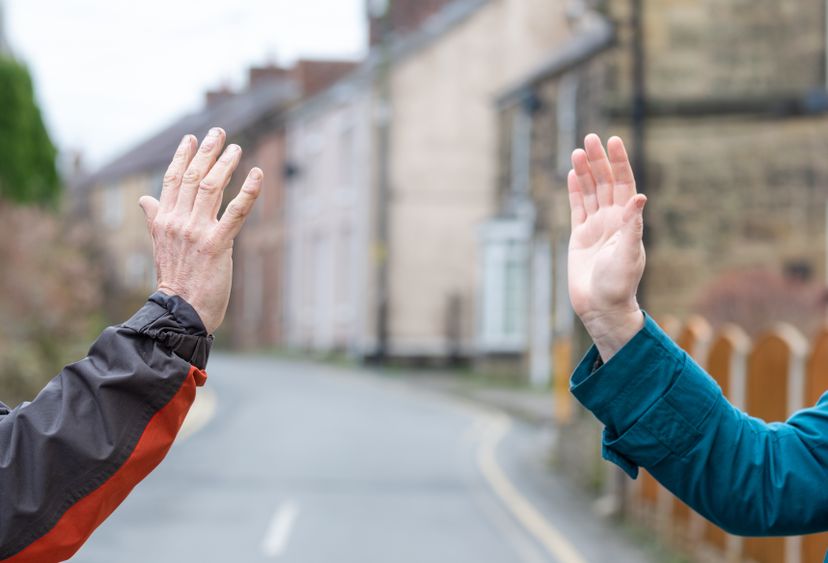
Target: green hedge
(28,173)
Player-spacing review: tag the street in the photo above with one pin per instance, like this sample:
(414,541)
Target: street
(312,463)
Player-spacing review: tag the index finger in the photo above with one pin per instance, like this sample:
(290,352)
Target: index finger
(175,172)
(237,210)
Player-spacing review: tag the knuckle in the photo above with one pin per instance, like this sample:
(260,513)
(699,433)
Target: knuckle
(237,211)
(192,176)
(172,178)
(191,233)
(208,186)
(167,228)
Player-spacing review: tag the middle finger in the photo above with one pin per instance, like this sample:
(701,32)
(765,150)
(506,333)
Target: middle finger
(601,169)
(201,164)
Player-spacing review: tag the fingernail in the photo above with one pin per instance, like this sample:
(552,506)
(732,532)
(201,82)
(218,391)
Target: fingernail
(229,153)
(214,132)
(256,174)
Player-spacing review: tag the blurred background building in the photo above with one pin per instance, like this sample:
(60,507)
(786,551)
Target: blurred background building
(415,207)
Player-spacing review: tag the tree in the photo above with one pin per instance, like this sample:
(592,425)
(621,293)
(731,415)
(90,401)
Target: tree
(28,171)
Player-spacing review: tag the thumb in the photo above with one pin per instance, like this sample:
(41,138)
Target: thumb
(633,229)
(150,207)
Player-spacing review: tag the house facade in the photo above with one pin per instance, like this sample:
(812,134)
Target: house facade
(443,172)
(401,251)
(725,124)
(253,119)
(329,220)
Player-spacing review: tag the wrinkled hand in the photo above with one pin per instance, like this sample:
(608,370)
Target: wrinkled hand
(606,252)
(193,249)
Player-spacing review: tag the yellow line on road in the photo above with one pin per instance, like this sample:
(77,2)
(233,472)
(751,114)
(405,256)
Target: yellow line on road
(202,411)
(535,523)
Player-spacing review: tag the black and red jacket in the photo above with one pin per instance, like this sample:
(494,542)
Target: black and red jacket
(72,455)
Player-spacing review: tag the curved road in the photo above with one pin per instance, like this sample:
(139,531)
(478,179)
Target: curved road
(315,464)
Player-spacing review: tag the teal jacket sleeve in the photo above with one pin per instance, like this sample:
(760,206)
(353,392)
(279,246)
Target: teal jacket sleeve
(661,411)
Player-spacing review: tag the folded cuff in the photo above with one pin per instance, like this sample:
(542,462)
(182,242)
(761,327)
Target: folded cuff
(651,396)
(621,390)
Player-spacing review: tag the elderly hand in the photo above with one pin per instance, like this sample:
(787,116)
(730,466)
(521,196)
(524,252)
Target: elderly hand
(606,253)
(194,249)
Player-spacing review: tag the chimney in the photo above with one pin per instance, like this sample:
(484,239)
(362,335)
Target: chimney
(261,74)
(213,97)
(403,16)
(313,76)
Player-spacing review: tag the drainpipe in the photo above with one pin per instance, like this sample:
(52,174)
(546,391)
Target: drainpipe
(383,136)
(639,115)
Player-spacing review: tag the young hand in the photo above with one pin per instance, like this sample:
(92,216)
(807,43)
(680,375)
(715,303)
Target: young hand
(606,252)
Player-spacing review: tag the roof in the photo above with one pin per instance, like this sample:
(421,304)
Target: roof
(595,38)
(235,115)
(402,45)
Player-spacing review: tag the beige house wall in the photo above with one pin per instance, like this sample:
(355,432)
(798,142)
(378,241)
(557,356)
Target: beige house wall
(123,231)
(444,164)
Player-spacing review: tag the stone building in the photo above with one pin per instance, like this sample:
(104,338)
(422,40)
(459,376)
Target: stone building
(731,111)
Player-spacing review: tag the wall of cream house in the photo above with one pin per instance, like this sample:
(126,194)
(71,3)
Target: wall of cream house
(328,225)
(123,231)
(444,164)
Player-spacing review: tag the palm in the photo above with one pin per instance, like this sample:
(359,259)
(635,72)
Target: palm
(606,257)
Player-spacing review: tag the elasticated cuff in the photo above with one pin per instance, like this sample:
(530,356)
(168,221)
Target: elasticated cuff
(173,322)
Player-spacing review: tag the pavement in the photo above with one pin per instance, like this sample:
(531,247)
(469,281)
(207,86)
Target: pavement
(301,462)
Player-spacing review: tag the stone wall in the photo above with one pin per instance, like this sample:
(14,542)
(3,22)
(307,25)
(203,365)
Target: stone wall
(720,49)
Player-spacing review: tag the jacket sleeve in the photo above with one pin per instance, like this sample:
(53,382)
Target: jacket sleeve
(661,411)
(71,456)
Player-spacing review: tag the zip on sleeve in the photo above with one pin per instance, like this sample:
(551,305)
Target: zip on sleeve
(661,411)
(71,456)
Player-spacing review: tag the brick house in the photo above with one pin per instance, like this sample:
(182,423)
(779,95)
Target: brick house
(252,119)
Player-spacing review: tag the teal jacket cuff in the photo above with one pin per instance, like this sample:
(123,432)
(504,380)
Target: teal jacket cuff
(649,411)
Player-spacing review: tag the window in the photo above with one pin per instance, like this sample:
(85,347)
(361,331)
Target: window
(521,151)
(112,213)
(253,288)
(567,121)
(505,276)
(347,152)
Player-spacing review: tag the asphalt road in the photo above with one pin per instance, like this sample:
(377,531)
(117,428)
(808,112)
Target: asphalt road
(316,464)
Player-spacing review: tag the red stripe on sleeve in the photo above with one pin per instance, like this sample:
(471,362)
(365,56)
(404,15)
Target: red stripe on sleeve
(81,519)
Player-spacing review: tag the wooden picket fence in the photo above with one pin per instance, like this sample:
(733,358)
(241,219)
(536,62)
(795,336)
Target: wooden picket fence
(771,377)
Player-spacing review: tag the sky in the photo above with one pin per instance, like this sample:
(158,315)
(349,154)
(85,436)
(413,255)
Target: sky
(108,73)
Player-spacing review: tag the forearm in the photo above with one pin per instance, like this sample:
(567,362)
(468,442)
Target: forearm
(662,412)
(73,454)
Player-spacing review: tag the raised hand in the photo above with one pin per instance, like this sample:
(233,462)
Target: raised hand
(606,252)
(194,249)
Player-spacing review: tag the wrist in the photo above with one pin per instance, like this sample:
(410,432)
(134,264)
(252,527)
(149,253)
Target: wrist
(611,331)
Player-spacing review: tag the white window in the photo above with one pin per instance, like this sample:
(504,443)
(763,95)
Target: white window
(567,114)
(347,154)
(521,151)
(505,276)
(112,213)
